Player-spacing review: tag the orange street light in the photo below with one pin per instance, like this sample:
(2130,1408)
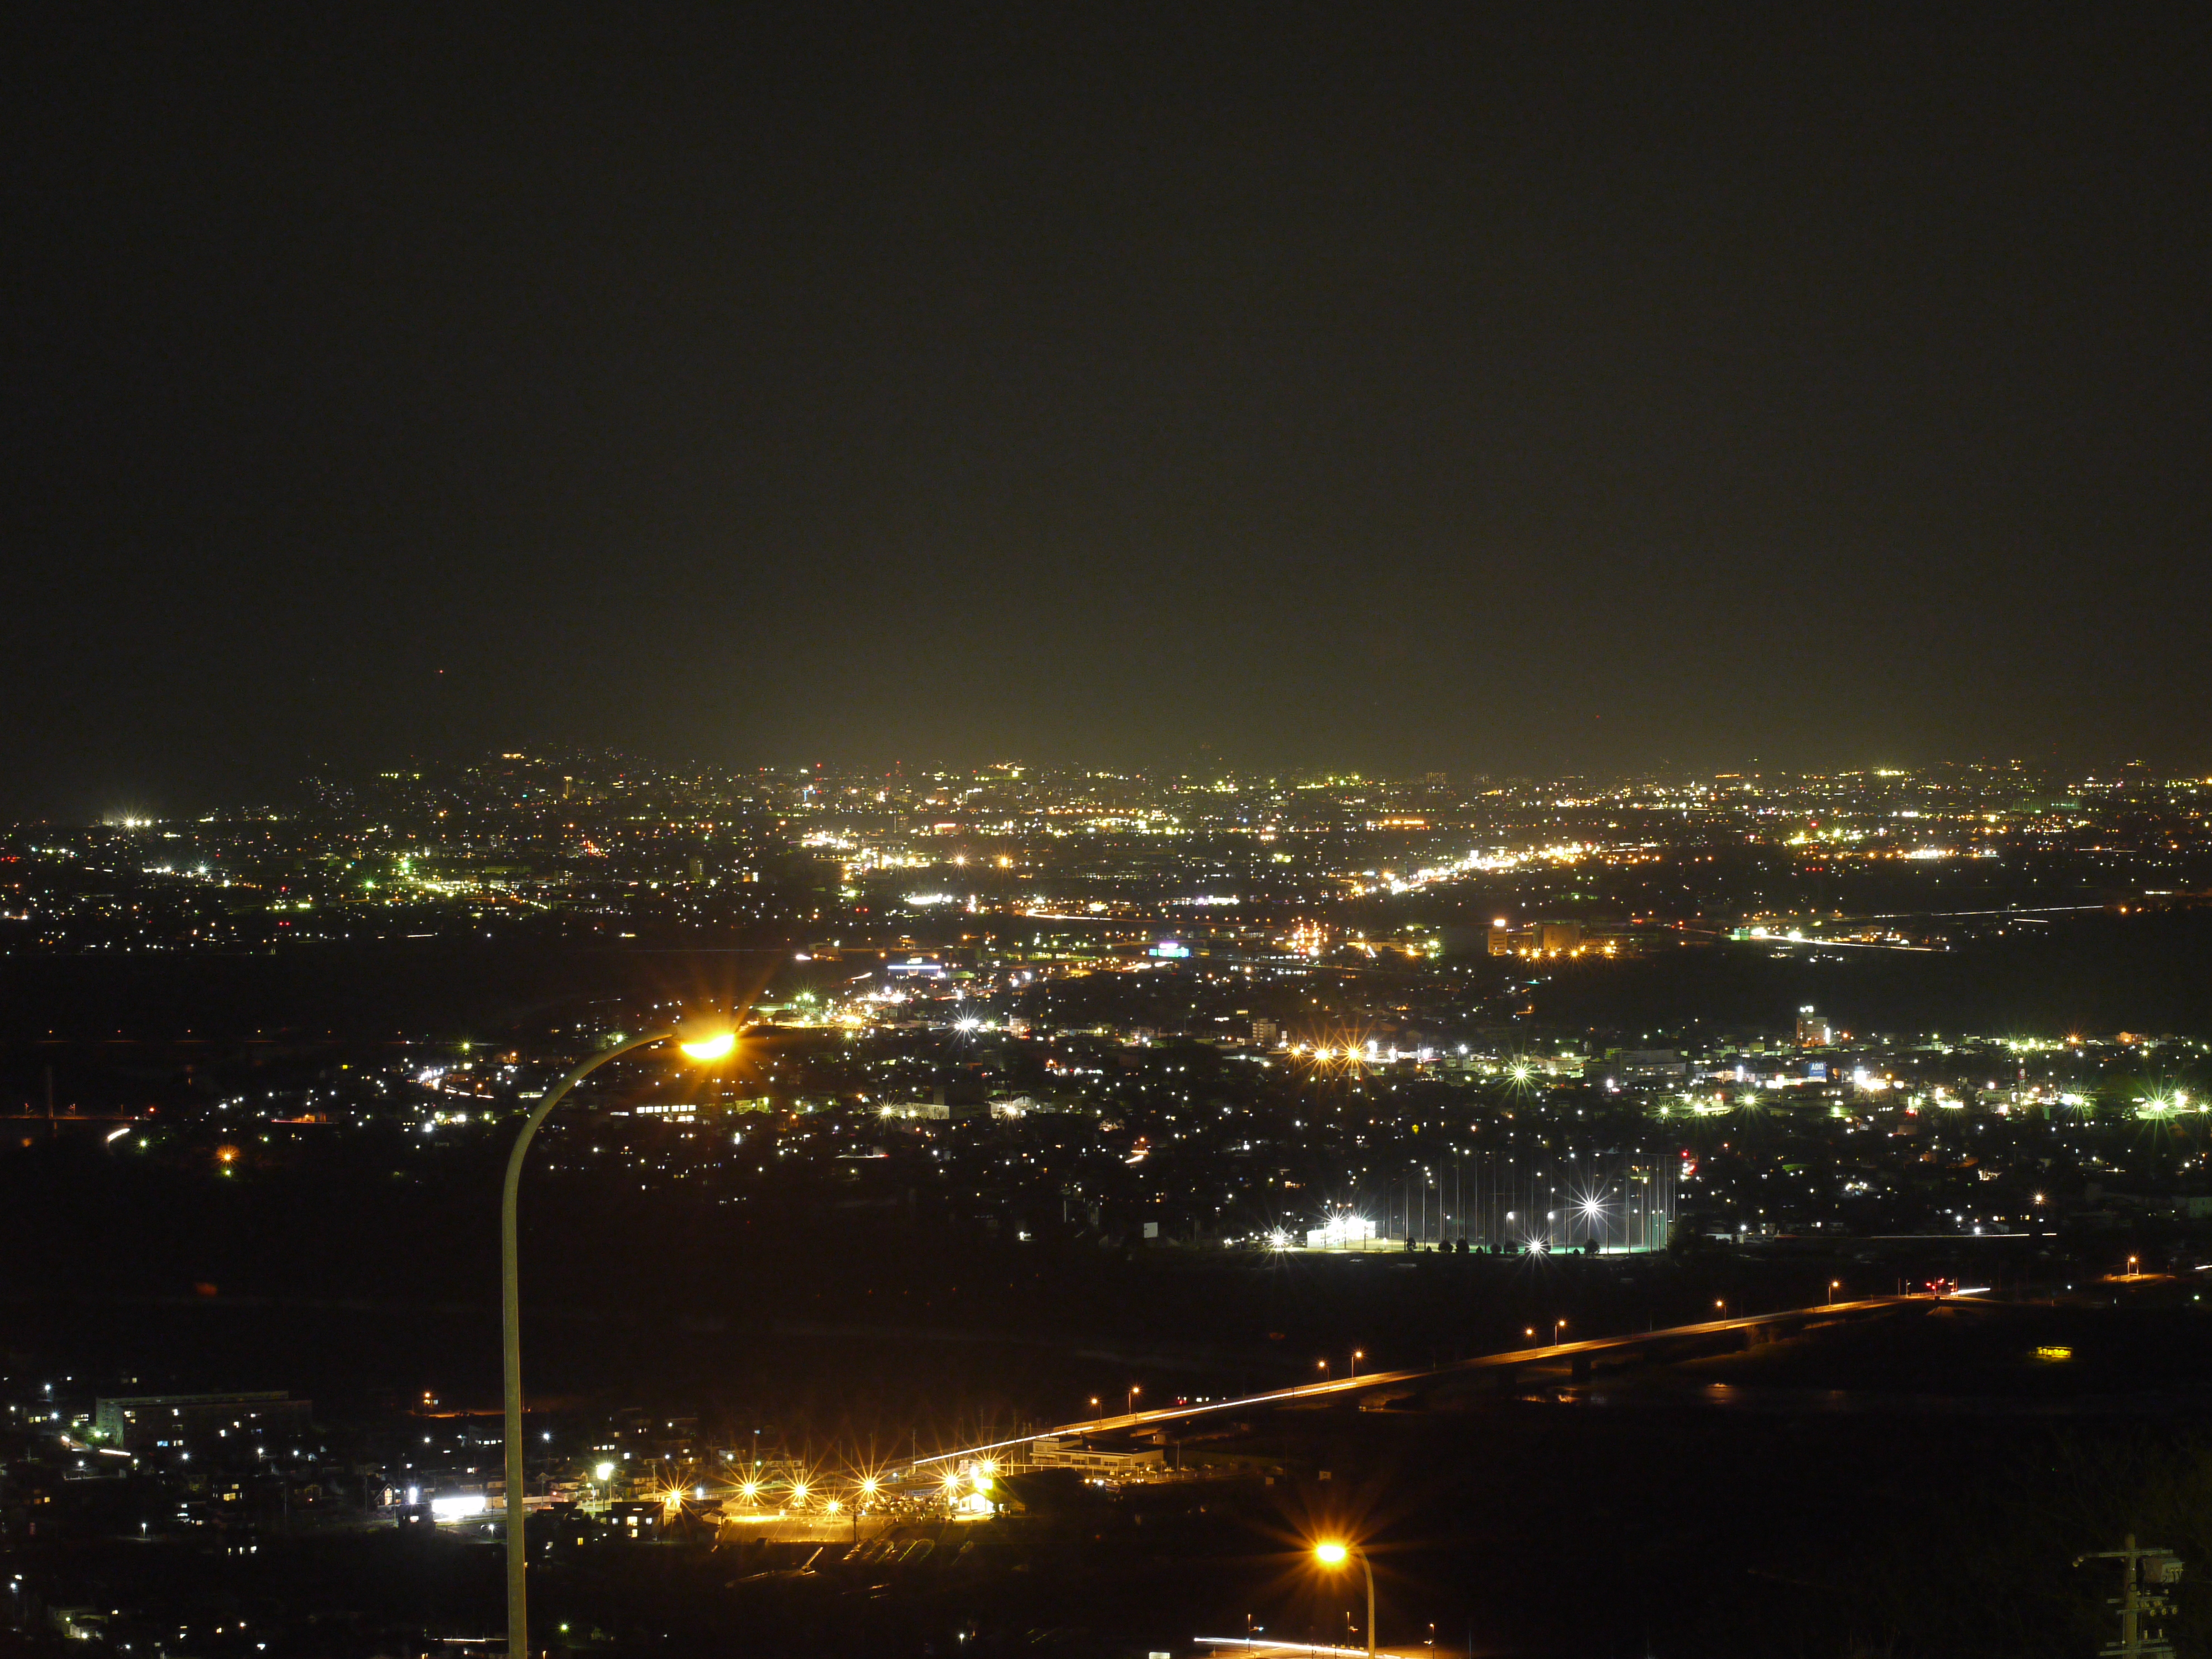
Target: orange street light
(865,1495)
(701,1040)
(1334,1555)
(708,1045)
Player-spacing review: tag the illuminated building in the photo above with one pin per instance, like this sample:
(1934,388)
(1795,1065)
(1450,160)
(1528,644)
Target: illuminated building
(197,1421)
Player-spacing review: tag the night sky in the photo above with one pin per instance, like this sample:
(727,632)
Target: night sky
(1571,389)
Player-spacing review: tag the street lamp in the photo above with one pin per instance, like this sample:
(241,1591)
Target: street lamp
(704,1040)
(1134,1390)
(1333,1556)
(1557,1325)
(864,1496)
(1834,1284)
(1358,1354)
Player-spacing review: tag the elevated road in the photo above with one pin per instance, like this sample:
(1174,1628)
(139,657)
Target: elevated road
(1675,1341)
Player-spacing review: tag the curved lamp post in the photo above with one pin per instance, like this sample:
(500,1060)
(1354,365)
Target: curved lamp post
(1336,1555)
(705,1041)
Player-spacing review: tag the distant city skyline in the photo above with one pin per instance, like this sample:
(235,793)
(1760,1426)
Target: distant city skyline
(126,804)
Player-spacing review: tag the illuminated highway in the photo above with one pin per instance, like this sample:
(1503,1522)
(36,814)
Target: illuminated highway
(1689,1337)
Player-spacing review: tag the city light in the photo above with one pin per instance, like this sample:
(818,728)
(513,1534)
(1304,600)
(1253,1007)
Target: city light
(1527,1176)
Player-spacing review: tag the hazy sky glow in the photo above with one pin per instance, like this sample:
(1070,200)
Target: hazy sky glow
(1578,391)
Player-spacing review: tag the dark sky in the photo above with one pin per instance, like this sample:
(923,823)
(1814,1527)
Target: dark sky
(1577,388)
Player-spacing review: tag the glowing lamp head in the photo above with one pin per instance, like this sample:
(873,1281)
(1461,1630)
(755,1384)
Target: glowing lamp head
(603,1472)
(706,1038)
(1331,1555)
